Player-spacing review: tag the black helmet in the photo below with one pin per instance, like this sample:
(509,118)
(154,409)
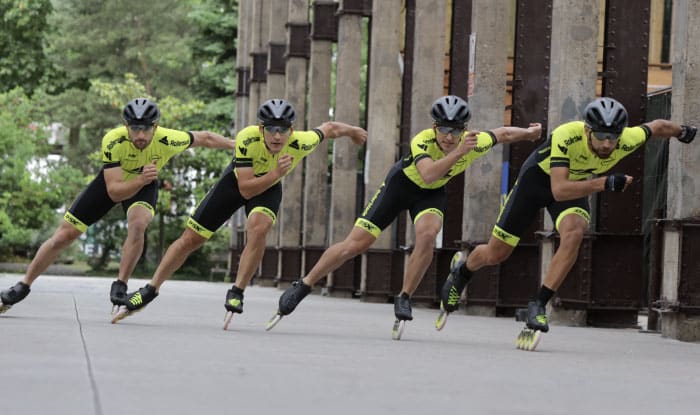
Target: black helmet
(450,110)
(606,116)
(141,111)
(276,112)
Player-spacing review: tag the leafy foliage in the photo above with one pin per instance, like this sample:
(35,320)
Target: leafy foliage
(22,38)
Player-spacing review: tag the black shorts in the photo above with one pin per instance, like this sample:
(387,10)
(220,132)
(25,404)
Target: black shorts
(396,194)
(94,202)
(531,192)
(225,198)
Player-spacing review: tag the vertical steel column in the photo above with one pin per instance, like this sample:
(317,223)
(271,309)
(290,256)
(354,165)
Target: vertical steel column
(615,301)
(459,85)
(519,276)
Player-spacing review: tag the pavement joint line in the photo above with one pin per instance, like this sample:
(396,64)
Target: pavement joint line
(91,374)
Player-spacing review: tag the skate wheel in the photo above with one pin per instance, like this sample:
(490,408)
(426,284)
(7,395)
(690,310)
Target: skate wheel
(115,308)
(397,330)
(4,308)
(441,320)
(227,319)
(273,321)
(535,340)
(121,313)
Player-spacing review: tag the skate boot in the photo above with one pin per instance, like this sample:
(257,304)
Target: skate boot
(117,295)
(289,300)
(233,304)
(535,318)
(13,295)
(135,301)
(402,311)
(453,287)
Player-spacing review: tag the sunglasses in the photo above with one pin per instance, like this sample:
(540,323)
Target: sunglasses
(600,136)
(274,129)
(141,127)
(455,131)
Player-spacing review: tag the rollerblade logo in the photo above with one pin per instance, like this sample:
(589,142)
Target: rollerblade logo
(164,140)
(563,149)
(234,302)
(501,235)
(136,299)
(569,141)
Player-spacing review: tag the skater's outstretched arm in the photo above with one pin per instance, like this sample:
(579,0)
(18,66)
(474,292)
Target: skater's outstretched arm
(667,129)
(209,139)
(335,129)
(508,135)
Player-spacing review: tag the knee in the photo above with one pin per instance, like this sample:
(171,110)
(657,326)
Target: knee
(425,240)
(573,236)
(352,248)
(137,228)
(191,241)
(63,237)
(258,230)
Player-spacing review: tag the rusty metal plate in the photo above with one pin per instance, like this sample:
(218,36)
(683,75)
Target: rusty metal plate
(689,285)
(243,78)
(625,67)
(617,277)
(325,21)
(347,277)
(299,40)
(519,278)
(277,64)
(311,256)
(259,73)
(291,264)
(483,288)
(574,293)
(269,264)
(384,268)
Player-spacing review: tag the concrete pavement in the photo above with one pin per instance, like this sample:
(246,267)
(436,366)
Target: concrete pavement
(60,355)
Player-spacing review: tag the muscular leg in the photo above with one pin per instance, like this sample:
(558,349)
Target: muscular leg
(258,226)
(571,230)
(427,228)
(175,256)
(138,218)
(357,242)
(50,250)
(495,252)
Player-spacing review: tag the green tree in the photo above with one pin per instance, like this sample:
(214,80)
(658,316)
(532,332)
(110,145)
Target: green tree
(22,38)
(214,52)
(30,196)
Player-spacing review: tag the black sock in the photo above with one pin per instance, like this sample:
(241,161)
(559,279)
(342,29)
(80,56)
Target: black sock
(465,273)
(544,295)
(404,295)
(236,289)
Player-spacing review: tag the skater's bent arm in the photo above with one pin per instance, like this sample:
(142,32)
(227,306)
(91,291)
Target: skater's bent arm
(250,186)
(335,129)
(431,170)
(507,135)
(212,140)
(119,190)
(565,189)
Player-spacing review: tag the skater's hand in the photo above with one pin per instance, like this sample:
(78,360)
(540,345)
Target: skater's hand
(149,173)
(469,142)
(284,163)
(617,182)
